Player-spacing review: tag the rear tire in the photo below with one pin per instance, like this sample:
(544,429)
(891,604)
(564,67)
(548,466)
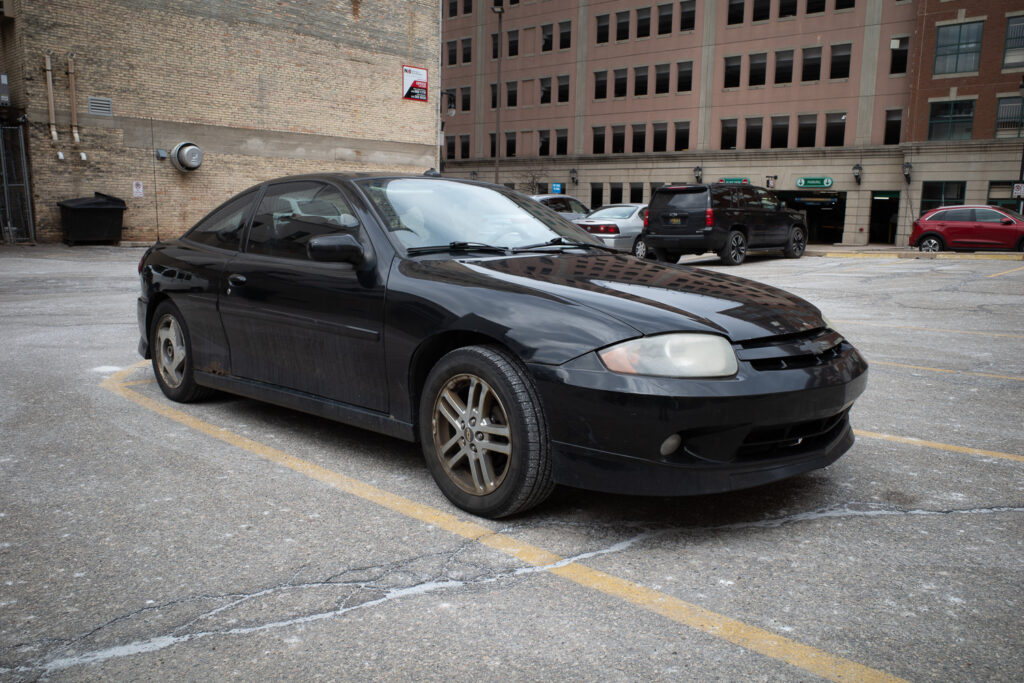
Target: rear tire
(484,433)
(930,243)
(797,243)
(640,249)
(171,350)
(734,250)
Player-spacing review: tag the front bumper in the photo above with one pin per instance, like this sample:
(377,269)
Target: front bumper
(608,430)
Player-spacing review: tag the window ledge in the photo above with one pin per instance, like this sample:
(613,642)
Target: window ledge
(959,74)
(839,80)
(904,75)
(760,86)
(731,89)
(1013,69)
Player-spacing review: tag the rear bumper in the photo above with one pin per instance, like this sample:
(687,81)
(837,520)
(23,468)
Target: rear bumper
(698,244)
(623,242)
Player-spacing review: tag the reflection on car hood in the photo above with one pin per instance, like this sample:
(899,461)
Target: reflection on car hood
(655,298)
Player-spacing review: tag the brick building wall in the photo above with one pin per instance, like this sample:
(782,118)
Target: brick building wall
(265,87)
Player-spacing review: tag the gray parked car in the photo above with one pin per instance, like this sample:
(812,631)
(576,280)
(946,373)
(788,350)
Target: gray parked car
(566,205)
(617,225)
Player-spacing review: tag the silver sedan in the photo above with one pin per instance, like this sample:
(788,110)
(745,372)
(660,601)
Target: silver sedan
(617,225)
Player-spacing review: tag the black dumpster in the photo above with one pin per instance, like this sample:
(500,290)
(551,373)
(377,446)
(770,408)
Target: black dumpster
(92,219)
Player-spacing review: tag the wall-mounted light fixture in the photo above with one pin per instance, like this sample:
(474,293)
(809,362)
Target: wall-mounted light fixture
(450,101)
(857,171)
(907,168)
(574,177)
(472,175)
(698,173)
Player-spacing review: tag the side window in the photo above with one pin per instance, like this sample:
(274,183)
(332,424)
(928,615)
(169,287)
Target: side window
(291,214)
(988,216)
(721,198)
(766,199)
(223,227)
(959,215)
(940,216)
(575,206)
(746,198)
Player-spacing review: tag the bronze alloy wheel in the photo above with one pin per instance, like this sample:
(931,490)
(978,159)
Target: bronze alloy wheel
(472,438)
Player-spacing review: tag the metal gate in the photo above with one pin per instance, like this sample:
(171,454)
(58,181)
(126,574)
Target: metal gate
(15,203)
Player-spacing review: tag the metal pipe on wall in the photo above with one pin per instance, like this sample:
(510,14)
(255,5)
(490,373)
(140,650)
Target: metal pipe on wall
(74,99)
(49,96)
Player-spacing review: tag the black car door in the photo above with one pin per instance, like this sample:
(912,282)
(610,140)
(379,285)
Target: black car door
(774,219)
(304,325)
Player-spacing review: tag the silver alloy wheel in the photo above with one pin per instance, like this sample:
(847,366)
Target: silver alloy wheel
(472,437)
(737,247)
(799,242)
(170,350)
(930,244)
(640,248)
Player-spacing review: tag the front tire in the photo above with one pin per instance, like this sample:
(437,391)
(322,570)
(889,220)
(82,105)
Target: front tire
(171,351)
(797,243)
(734,250)
(930,243)
(484,433)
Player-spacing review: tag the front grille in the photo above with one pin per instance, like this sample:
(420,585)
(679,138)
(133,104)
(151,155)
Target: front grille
(803,350)
(774,442)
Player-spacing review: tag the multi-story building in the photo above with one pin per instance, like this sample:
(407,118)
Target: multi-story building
(861,112)
(100,92)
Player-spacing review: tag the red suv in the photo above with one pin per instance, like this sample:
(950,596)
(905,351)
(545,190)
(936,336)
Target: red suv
(969,227)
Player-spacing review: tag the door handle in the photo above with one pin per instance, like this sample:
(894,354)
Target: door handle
(236,280)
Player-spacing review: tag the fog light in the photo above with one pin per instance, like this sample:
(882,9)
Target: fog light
(669,445)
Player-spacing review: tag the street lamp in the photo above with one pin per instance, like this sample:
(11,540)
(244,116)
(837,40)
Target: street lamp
(499,9)
(698,173)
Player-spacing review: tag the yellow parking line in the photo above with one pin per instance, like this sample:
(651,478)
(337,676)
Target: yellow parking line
(756,639)
(946,370)
(1007,272)
(929,329)
(940,446)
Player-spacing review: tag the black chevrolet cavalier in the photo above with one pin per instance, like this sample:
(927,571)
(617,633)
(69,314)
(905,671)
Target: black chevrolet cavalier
(516,347)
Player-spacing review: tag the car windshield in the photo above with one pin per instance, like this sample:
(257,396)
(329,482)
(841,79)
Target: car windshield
(613,212)
(427,212)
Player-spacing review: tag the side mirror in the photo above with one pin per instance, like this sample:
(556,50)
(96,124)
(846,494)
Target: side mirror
(342,248)
(1007,221)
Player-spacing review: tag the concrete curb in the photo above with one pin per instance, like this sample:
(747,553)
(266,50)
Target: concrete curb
(943,256)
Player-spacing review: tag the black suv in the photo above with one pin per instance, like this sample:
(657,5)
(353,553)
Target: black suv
(727,219)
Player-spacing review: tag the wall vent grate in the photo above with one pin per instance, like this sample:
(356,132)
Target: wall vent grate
(101,106)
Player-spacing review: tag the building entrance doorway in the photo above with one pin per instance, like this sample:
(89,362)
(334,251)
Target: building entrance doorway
(885,209)
(825,211)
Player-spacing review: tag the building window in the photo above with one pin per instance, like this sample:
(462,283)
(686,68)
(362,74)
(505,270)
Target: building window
(898,48)
(602,28)
(780,132)
(618,139)
(1013,51)
(513,43)
(806,130)
(564,35)
(684,76)
(732,72)
(545,91)
(636,192)
(621,77)
(787,8)
(491,135)
(840,66)
(1008,117)
(815,6)
(662,77)
(812,64)
(467,6)
(659,137)
(467,98)
(453,8)
(464,146)
(784,66)
(511,94)
(622,26)
(729,128)
(598,148)
(640,81)
(543,143)
(453,53)
(495,43)
(893,124)
(563,88)
(664,19)
(758,69)
(762,10)
(449,146)
(958,48)
(600,85)
(1000,193)
(682,137)
(687,15)
(845,4)
(735,14)
(951,120)
(596,195)
(752,137)
(835,130)
(494,95)
(510,144)
(639,138)
(942,193)
(643,22)
(547,41)
(615,193)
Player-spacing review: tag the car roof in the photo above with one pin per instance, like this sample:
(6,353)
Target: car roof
(549,196)
(968,206)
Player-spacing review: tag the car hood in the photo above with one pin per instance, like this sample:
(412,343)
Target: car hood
(654,298)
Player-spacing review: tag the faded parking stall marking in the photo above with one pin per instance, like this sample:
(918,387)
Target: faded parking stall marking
(805,657)
(929,329)
(938,446)
(945,370)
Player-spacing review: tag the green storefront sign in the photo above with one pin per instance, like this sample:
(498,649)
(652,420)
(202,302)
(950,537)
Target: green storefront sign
(740,181)
(823,181)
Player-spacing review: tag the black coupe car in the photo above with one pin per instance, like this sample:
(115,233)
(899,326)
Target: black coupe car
(515,346)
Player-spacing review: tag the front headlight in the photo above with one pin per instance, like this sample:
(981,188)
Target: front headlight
(672,355)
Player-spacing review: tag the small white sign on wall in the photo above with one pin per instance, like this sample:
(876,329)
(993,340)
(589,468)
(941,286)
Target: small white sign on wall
(137,189)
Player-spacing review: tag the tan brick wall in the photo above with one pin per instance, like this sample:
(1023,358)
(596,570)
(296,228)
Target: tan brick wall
(266,88)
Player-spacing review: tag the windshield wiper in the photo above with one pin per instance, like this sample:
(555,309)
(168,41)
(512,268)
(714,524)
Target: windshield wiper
(456,246)
(562,242)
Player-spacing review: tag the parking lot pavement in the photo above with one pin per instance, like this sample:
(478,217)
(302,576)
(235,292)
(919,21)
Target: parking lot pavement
(141,539)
